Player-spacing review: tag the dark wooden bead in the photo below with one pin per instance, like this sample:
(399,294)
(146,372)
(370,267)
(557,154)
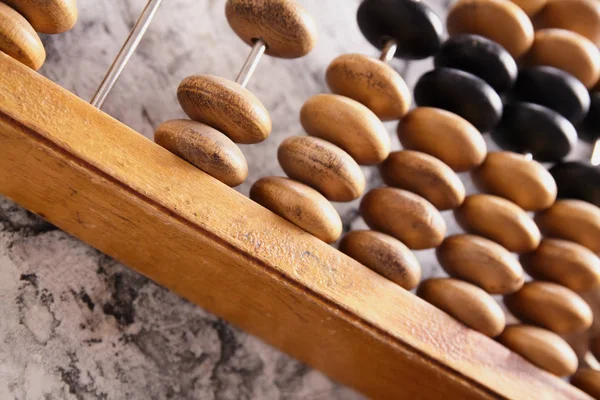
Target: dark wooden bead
(411,23)
(461,93)
(480,56)
(576,180)
(590,130)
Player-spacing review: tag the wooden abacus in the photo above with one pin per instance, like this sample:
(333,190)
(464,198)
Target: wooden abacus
(179,223)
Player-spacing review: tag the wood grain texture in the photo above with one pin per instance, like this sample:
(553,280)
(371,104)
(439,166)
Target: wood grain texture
(19,40)
(47,16)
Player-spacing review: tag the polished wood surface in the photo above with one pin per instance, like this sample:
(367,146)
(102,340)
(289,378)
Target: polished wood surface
(47,16)
(19,40)
(581,16)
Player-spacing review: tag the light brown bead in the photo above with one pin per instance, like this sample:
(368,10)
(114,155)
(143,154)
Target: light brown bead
(323,166)
(541,347)
(499,20)
(286,28)
(424,175)
(443,135)
(587,380)
(568,51)
(481,262)
(513,176)
(225,106)
(385,255)
(204,147)
(595,346)
(406,216)
(465,302)
(551,306)
(347,124)
(299,204)
(573,220)
(500,220)
(47,16)
(530,7)
(19,40)
(581,16)
(564,262)
(370,82)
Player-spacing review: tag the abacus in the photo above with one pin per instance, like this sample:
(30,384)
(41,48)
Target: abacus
(167,209)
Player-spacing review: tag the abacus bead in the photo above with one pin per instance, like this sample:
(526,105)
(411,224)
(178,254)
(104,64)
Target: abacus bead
(411,23)
(530,7)
(590,131)
(226,106)
(576,180)
(406,216)
(481,262)
(541,347)
(347,124)
(481,57)
(587,380)
(595,346)
(19,40)
(581,16)
(47,16)
(551,306)
(499,20)
(385,255)
(204,147)
(461,93)
(370,82)
(465,302)
(323,166)
(500,220)
(564,262)
(424,175)
(444,135)
(286,28)
(299,204)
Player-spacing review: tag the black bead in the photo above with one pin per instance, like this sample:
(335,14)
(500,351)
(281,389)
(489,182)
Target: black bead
(481,57)
(461,93)
(411,23)
(576,180)
(535,129)
(590,130)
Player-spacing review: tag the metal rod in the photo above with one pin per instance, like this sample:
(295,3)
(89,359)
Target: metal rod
(528,156)
(118,65)
(251,63)
(595,160)
(389,50)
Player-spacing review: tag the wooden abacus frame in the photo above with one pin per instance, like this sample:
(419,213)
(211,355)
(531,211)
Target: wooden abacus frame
(111,187)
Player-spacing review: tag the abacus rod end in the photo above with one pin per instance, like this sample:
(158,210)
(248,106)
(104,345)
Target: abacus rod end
(528,156)
(595,160)
(389,50)
(258,49)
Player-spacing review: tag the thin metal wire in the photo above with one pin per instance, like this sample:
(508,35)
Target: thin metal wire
(389,50)
(118,65)
(595,160)
(251,63)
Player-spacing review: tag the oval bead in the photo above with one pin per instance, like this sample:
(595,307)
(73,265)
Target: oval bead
(347,124)
(541,347)
(286,28)
(461,93)
(576,180)
(406,216)
(47,16)
(587,380)
(465,302)
(300,204)
(226,106)
(370,82)
(590,129)
(444,135)
(530,7)
(19,40)
(551,306)
(385,255)
(500,220)
(323,166)
(513,176)
(499,20)
(424,175)
(581,16)
(204,147)
(481,262)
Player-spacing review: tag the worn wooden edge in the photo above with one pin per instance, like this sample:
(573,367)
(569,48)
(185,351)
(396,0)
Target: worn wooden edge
(116,190)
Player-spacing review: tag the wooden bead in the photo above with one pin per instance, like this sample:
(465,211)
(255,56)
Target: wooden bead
(573,220)
(225,106)
(323,166)
(587,380)
(541,347)
(513,176)
(347,124)
(465,302)
(577,180)
(551,306)
(426,176)
(299,204)
(500,220)
(385,255)
(47,16)
(444,135)
(581,16)
(19,40)
(370,82)
(481,262)
(204,147)
(568,51)
(530,7)
(406,216)
(564,262)
(286,28)
(499,20)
